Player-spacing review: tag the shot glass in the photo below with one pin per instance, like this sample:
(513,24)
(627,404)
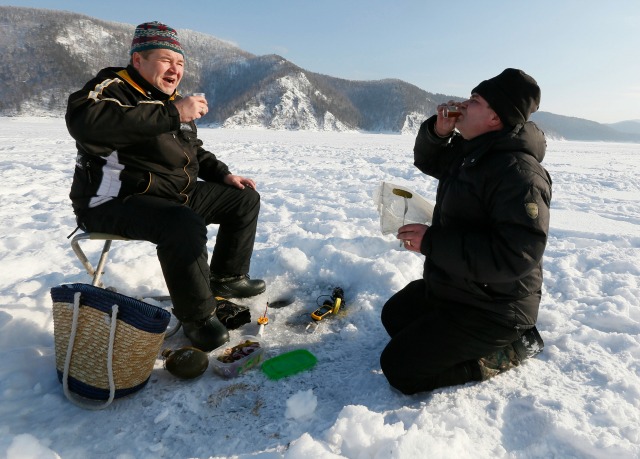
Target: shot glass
(451,111)
(200,94)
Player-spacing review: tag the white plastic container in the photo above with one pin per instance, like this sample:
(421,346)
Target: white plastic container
(241,355)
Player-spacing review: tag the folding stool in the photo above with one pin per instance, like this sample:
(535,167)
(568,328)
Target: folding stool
(97,272)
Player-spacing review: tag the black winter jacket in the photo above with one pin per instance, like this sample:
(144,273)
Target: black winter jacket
(130,141)
(490,223)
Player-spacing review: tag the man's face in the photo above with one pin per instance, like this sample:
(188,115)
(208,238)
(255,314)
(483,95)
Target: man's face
(162,68)
(477,118)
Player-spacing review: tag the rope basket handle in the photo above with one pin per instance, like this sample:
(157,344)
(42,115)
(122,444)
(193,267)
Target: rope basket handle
(67,362)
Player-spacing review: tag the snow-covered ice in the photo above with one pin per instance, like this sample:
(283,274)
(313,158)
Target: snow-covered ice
(319,229)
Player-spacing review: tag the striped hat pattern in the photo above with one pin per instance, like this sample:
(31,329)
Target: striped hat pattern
(154,35)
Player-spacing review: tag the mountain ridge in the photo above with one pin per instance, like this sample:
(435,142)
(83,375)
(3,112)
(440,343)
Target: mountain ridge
(243,89)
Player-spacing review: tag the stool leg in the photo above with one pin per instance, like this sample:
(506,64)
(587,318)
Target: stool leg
(97,276)
(96,273)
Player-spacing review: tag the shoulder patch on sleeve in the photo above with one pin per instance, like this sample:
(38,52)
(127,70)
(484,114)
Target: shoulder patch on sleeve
(532,210)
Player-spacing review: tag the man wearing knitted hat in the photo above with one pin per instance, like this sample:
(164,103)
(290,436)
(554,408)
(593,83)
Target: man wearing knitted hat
(473,314)
(137,170)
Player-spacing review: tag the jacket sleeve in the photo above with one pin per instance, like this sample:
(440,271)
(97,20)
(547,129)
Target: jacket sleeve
(106,115)
(432,154)
(211,168)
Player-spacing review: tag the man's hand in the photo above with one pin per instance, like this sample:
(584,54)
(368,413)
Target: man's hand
(191,108)
(239,182)
(444,126)
(411,235)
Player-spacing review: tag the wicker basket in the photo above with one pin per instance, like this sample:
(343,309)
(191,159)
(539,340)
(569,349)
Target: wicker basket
(106,343)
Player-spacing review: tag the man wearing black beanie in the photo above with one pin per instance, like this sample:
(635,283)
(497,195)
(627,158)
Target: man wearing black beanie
(473,313)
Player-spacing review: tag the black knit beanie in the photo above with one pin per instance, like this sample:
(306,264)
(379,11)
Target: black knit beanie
(513,95)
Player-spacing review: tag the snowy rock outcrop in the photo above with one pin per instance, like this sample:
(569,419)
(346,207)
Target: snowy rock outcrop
(285,105)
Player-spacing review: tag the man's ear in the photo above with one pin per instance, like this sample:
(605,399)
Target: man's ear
(494,121)
(135,60)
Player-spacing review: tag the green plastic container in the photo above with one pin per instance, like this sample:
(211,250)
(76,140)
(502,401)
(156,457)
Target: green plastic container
(288,364)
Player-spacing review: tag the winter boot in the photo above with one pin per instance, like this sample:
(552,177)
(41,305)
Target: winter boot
(529,344)
(498,362)
(206,334)
(240,286)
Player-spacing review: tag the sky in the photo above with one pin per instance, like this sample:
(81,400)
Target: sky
(319,228)
(583,53)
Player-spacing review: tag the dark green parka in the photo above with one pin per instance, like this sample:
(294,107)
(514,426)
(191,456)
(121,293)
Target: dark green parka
(490,223)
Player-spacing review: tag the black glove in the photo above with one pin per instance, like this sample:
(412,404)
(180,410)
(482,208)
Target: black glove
(232,315)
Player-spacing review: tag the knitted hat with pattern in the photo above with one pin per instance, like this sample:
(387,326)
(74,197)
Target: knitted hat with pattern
(154,35)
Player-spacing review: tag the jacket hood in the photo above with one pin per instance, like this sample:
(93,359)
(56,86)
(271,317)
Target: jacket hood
(527,138)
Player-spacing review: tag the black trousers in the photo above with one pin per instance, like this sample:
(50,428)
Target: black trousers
(180,234)
(434,344)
